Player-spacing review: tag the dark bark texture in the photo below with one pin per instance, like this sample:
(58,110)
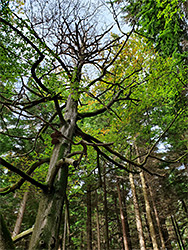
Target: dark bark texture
(6,242)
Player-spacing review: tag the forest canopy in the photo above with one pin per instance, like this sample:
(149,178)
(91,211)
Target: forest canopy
(93,124)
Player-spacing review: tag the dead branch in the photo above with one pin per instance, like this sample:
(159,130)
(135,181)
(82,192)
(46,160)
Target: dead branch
(24,175)
(17,185)
(22,235)
(102,110)
(160,137)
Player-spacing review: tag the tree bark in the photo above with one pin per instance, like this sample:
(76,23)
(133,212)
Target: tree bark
(124,229)
(157,220)
(81,241)
(137,214)
(177,232)
(118,222)
(5,237)
(89,222)
(147,206)
(20,215)
(65,230)
(46,229)
(148,240)
(148,212)
(98,224)
(124,195)
(106,213)
(166,234)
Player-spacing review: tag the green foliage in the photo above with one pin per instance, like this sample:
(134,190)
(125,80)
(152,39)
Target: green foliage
(162,22)
(153,90)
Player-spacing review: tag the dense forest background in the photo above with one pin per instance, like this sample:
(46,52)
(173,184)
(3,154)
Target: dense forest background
(93,125)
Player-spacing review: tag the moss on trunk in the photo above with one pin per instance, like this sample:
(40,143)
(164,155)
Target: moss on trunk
(46,230)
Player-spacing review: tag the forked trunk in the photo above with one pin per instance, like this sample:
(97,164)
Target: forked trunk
(46,229)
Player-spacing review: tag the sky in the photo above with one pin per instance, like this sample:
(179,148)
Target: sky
(107,16)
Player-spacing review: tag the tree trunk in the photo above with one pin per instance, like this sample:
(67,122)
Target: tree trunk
(5,237)
(148,212)
(124,194)
(89,223)
(177,232)
(118,221)
(137,214)
(147,206)
(148,238)
(106,213)
(20,215)
(82,241)
(124,229)
(46,229)
(166,235)
(68,220)
(65,230)
(184,206)
(98,224)
(157,220)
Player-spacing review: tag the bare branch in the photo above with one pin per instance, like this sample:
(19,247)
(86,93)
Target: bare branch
(102,110)
(17,185)
(16,136)
(160,137)
(23,175)
(90,138)
(22,235)
(22,35)
(58,109)
(37,80)
(169,161)
(112,61)
(120,166)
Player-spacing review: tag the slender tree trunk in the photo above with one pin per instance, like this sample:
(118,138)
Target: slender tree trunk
(148,212)
(137,214)
(118,221)
(98,224)
(148,208)
(124,194)
(46,229)
(106,213)
(148,231)
(65,230)
(89,222)
(81,241)
(166,235)
(124,229)
(68,220)
(20,214)
(5,237)
(157,220)
(177,232)
(184,206)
